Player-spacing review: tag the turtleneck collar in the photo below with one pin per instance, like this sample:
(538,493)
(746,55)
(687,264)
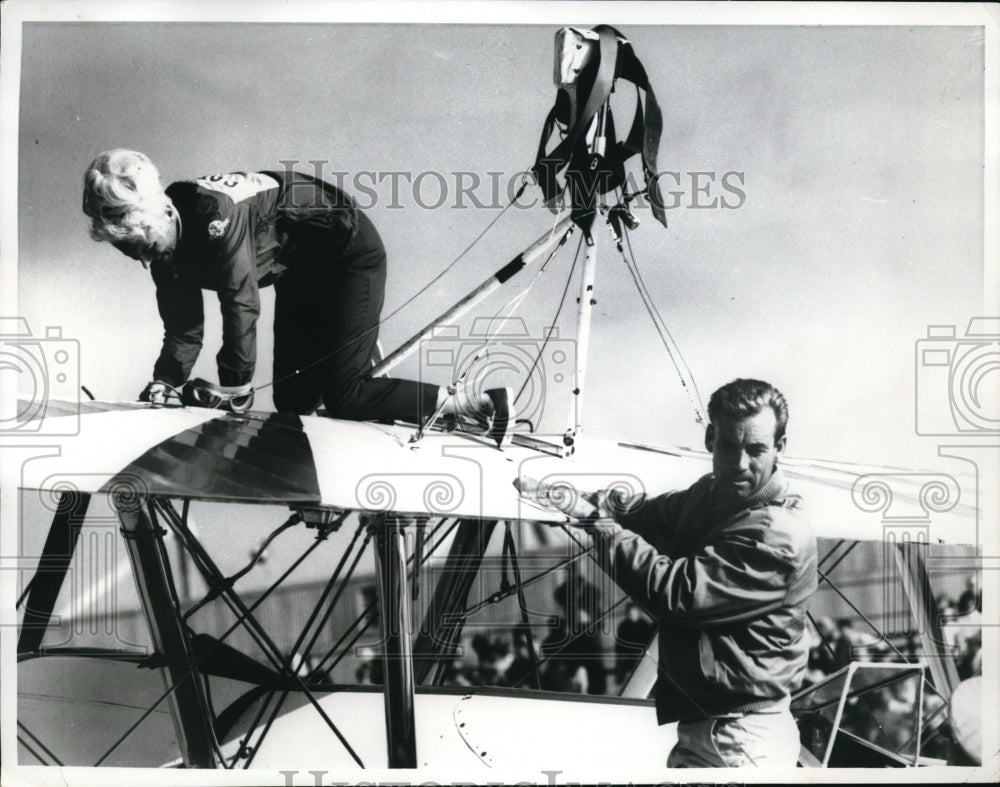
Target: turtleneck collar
(775,487)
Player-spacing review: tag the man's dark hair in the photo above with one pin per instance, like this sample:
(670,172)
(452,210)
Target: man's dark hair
(744,398)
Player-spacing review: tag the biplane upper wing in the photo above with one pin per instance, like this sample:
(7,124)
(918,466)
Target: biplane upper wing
(861,502)
(313,462)
(306,462)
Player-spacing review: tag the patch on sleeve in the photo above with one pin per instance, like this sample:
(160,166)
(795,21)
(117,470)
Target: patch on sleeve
(217,228)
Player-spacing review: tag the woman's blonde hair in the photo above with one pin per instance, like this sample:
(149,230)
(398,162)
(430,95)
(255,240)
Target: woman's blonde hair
(123,197)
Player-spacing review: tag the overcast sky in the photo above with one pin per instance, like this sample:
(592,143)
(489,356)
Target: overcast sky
(858,153)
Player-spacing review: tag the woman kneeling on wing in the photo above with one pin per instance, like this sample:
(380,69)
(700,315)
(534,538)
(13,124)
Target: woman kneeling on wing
(235,233)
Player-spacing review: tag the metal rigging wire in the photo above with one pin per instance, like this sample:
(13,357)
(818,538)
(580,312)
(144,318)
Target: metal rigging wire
(244,614)
(672,348)
(555,317)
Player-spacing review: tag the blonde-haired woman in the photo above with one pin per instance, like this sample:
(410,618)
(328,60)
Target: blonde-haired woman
(237,232)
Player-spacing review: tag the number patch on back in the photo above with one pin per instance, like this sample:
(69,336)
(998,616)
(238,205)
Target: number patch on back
(238,186)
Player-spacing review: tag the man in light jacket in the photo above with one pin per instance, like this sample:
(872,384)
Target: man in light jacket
(726,568)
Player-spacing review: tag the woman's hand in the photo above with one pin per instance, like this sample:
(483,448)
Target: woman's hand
(155,393)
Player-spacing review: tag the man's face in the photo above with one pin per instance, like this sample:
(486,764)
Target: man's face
(744,453)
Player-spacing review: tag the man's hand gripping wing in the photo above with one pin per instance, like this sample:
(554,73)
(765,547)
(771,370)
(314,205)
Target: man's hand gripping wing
(585,507)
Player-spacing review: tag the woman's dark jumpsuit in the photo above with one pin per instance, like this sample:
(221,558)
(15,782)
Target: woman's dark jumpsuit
(244,231)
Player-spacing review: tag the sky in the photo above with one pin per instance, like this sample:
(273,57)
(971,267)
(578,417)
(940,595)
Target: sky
(857,152)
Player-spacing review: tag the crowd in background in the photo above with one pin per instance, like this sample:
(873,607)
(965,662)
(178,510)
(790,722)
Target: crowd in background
(578,655)
(573,656)
(570,656)
(837,644)
(887,715)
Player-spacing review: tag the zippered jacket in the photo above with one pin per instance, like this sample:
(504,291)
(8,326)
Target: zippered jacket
(728,588)
(237,234)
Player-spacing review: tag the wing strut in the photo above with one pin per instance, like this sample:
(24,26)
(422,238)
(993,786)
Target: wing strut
(441,632)
(916,583)
(153,579)
(57,554)
(397,656)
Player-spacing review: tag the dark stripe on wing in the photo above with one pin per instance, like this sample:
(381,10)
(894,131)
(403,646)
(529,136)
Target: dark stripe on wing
(250,459)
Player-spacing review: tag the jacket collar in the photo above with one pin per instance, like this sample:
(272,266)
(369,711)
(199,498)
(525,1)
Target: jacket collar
(773,490)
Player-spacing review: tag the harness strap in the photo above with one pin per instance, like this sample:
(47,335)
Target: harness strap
(588,174)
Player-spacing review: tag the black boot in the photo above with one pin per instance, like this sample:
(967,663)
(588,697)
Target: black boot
(502,428)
